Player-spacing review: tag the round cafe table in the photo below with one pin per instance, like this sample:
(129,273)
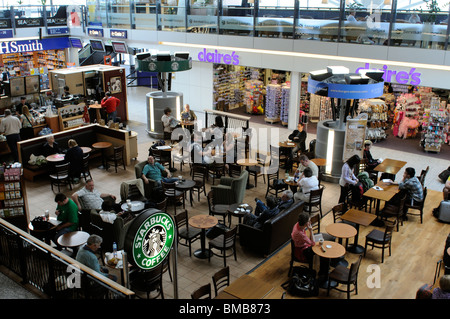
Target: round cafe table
(97,108)
(136,206)
(103,146)
(233,211)
(341,231)
(248,162)
(332,250)
(73,240)
(86,149)
(203,222)
(184,186)
(55,158)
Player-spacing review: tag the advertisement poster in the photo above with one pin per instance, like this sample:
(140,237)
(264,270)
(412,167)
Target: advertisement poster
(355,134)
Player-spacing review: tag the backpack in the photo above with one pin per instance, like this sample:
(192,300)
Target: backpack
(443,176)
(357,192)
(364,178)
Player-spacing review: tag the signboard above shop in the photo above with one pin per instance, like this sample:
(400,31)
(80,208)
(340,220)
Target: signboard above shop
(34,45)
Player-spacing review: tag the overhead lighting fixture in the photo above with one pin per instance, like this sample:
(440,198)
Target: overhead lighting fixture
(182,55)
(143,56)
(374,74)
(163,56)
(320,75)
(338,70)
(356,79)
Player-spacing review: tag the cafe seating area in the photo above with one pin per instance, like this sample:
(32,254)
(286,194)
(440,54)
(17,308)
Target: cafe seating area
(261,255)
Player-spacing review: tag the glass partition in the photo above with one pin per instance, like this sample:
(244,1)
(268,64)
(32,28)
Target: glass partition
(202,16)
(119,15)
(144,16)
(275,18)
(366,22)
(318,20)
(96,12)
(237,17)
(173,15)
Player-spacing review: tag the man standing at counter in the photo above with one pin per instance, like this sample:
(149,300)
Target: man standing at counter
(10,127)
(110,104)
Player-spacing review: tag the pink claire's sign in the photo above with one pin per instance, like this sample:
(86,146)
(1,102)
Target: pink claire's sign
(216,57)
(402,77)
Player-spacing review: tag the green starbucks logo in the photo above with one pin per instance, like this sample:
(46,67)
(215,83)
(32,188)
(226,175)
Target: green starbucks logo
(153,240)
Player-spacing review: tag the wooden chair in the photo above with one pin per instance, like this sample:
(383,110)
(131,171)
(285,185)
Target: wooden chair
(85,171)
(272,186)
(204,292)
(216,170)
(345,276)
(389,210)
(148,281)
(315,223)
(60,176)
(219,209)
(258,170)
(223,243)
(423,174)
(294,259)
(199,173)
(173,195)
(234,170)
(117,158)
(185,233)
(161,157)
(416,206)
(162,205)
(315,201)
(221,279)
(380,239)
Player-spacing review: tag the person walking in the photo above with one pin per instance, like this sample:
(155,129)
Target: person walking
(10,127)
(110,104)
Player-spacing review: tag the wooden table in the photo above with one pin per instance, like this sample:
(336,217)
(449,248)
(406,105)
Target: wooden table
(319,161)
(341,231)
(44,234)
(292,184)
(86,149)
(97,108)
(233,211)
(390,166)
(287,144)
(103,146)
(55,158)
(73,239)
(248,162)
(386,193)
(247,287)
(203,222)
(359,218)
(136,206)
(332,250)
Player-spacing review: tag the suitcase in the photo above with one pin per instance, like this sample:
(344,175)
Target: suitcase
(444,211)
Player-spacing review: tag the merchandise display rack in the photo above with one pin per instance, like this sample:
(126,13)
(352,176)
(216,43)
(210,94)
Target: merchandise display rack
(377,112)
(273,103)
(13,207)
(284,109)
(70,116)
(435,125)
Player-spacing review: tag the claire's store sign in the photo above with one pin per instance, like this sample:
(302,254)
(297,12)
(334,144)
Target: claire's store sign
(33,45)
(402,77)
(220,58)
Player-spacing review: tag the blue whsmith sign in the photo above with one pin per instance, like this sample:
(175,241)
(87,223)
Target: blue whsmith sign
(33,45)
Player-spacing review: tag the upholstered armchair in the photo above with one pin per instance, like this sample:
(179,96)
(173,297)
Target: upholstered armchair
(230,190)
(147,187)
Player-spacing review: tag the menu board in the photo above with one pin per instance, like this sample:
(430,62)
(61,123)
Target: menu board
(355,134)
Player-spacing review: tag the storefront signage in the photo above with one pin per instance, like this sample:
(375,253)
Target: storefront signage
(346,91)
(402,77)
(95,32)
(55,31)
(120,34)
(6,34)
(150,238)
(33,45)
(216,57)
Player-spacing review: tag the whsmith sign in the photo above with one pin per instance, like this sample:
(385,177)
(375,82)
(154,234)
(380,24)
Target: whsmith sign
(33,45)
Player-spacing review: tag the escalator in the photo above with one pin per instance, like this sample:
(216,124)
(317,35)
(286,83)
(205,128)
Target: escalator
(88,56)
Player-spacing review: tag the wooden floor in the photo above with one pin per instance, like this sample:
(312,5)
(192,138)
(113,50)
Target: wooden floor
(416,248)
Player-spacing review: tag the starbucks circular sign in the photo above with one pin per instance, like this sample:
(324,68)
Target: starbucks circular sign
(150,238)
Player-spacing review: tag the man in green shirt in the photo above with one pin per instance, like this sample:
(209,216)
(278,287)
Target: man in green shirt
(153,170)
(67,214)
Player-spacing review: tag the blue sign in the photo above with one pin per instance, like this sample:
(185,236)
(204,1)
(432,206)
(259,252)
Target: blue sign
(120,34)
(95,32)
(346,91)
(6,34)
(55,31)
(33,45)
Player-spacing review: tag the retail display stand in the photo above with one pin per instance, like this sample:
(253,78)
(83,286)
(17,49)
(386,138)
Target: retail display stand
(13,203)
(284,109)
(70,116)
(406,119)
(253,95)
(273,103)
(377,112)
(435,126)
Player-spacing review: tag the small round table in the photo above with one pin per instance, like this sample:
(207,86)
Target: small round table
(247,162)
(332,250)
(136,206)
(97,108)
(55,158)
(73,240)
(103,146)
(203,222)
(286,144)
(86,149)
(292,184)
(233,211)
(341,231)
(184,186)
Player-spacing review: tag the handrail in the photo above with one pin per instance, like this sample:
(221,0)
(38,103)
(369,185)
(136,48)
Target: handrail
(241,117)
(69,260)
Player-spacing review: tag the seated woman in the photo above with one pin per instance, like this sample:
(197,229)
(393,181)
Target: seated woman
(50,147)
(302,242)
(74,157)
(307,183)
(371,162)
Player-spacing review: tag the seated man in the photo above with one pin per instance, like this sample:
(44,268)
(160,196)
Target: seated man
(91,198)
(258,221)
(304,163)
(50,147)
(411,186)
(67,214)
(285,201)
(154,171)
(86,256)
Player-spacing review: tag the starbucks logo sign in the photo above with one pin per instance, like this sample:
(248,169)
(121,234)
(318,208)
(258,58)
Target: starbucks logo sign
(153,239)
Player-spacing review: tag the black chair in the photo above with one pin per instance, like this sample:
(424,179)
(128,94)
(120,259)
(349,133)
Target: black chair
(216,170)
(161,157)
(204,292)
(185,233)
(258,170)
(148,281)
(294,259)
(219,209)
(221,279)
(396,211)
(60,176)
(417,206)
(199,173)
(315,223)
(173,195)
(380,239)
(223,243)
(117,158)
(234,170)
(315,201)
(345,276)
(85,171)
(274,184)
(423,174)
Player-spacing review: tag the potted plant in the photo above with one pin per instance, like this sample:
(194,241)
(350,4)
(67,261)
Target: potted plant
(432,10)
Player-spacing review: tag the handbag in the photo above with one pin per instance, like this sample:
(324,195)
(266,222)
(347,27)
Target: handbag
(302,283)
(40,224)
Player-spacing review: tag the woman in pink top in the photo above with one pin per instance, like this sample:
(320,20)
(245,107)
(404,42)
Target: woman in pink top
(302,242)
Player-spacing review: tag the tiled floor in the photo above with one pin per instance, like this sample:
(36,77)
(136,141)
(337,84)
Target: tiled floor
(194,272)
